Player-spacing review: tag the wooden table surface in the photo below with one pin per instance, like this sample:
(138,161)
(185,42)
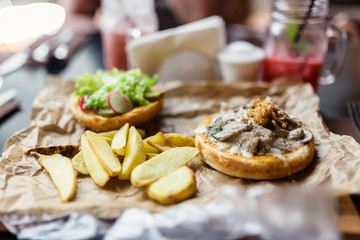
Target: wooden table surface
(348,206)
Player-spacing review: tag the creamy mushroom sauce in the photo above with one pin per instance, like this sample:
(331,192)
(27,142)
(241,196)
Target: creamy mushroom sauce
(235,129)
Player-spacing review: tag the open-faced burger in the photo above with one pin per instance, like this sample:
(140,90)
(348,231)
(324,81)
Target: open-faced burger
(255,141)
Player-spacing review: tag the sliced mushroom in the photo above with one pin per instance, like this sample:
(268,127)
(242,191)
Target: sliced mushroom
(279,132)
(231,129)
(296,134)
(307,137)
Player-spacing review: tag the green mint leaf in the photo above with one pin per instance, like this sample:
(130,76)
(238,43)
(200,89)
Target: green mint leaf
(292,31)
(303,47)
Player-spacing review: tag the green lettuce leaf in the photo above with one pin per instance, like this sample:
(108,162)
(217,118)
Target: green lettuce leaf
(132,83)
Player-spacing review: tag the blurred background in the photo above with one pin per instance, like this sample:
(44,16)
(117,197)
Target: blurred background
(245,20)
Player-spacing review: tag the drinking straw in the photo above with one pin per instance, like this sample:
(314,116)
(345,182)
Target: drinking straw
(302,26)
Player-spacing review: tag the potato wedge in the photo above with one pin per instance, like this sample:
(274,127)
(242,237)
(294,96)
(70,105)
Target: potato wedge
(174,187)
(97,172)
(62,174)
(161,165)
(111,134)
(134,155)
(65,150)
(141,132)
(107,139)
(178,140)
(118,144)
(150,155)
(104,153)
(159,146)
(108,134)
(79,164)
(158,138)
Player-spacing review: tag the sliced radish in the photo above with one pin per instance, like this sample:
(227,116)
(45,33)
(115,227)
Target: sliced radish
(82,102)
(119,102)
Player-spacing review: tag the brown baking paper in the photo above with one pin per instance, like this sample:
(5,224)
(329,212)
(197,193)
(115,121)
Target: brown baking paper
(26,188)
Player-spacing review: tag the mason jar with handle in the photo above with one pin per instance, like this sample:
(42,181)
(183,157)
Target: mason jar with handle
(297,42)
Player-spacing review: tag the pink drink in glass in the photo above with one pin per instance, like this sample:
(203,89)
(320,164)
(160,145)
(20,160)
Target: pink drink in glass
(309,68)
(297,42)
(123,21)
(114,50)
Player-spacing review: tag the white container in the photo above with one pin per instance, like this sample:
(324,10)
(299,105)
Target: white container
(240,61)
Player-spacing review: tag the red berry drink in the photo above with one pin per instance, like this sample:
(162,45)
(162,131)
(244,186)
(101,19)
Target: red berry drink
(308,67)
(114,50)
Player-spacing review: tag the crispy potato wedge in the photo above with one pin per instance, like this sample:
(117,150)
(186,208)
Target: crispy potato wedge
(178,140)
(159,146)
(62,174)
(104,153)
(97,172)
(79,164)
(65,150)
(118,144)
(134,155)
(161,165)
(174,187)
(157,138)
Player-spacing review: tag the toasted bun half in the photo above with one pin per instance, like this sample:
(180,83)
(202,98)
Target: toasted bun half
(256,167)
(136,117)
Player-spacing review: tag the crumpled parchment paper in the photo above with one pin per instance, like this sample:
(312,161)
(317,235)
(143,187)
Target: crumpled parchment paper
(26,190)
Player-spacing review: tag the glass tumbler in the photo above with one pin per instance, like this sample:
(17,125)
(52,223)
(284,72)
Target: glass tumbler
(122,21)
